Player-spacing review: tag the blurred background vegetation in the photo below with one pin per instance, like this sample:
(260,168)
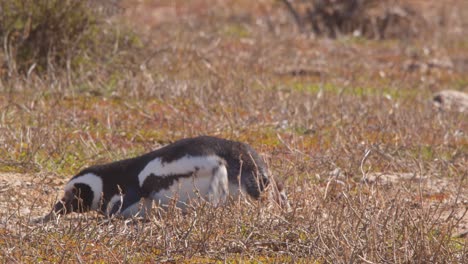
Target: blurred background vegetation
(57,37)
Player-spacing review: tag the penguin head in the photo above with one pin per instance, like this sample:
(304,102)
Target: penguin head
(78,199)
(82,194)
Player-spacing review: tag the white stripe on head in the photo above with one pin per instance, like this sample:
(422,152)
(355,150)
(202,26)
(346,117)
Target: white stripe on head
(93,181)
(184,165)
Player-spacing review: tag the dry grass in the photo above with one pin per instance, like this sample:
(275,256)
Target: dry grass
(327,115)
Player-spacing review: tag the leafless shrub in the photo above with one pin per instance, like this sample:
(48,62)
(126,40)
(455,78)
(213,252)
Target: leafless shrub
(367,18)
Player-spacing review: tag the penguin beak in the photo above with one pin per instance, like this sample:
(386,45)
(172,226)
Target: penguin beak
(62,208)
(68,204)
(59,209)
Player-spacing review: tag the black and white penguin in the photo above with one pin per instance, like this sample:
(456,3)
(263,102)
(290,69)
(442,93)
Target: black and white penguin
(202,167)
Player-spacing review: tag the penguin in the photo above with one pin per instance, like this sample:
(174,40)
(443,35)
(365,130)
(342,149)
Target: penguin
(203,167)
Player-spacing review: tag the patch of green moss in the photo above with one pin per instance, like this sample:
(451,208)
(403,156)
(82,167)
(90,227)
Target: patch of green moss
(235,31)
(459,84)
(383,88)
(266,136)
(368,42)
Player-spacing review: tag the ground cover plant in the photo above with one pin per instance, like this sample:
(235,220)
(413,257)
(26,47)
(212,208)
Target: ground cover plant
(375,172)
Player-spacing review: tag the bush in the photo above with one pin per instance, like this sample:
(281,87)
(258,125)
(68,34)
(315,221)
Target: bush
(42,35)
(369,18)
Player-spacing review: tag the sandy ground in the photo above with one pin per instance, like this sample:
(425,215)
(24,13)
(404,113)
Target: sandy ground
(28,195)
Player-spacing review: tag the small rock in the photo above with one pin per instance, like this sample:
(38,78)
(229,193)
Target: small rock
(390,177)
(25,211)
(16,183)
(337,173)
(451,100)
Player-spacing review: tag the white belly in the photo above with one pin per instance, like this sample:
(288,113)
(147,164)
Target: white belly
(208,180)
(183,191)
